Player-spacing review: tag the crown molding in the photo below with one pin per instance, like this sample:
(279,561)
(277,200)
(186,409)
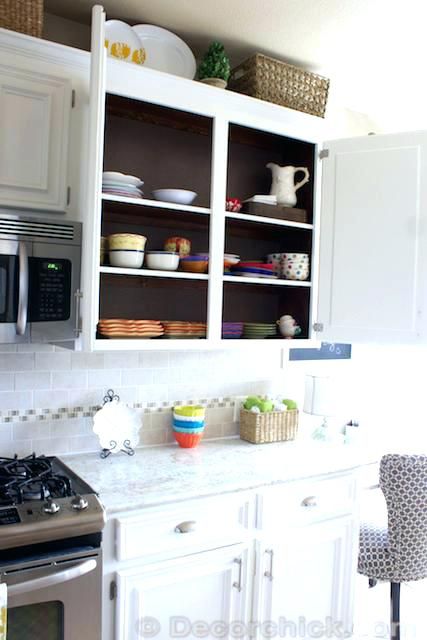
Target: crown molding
(42,50)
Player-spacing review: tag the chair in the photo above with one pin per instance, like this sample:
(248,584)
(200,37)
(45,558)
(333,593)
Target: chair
(398,553)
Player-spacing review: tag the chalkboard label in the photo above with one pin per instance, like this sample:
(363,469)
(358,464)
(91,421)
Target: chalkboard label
(327,351)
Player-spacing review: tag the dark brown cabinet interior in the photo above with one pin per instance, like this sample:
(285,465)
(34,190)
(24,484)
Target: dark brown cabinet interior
(157,225)
(249,151)
(164,147)
(245,302)
(131,297)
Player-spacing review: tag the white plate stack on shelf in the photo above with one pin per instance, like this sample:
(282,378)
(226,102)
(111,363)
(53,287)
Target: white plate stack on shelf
(121,184)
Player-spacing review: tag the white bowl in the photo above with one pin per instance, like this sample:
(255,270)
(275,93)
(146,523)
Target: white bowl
(126,259)
(163,260)
(178,196)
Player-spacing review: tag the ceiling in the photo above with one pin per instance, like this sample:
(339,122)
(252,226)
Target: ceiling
(374,51)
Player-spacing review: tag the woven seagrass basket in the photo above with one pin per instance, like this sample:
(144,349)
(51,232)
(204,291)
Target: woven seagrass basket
(272,426)
(284,84)
(25,16)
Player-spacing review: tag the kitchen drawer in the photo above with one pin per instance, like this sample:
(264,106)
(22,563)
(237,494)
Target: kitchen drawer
(305,502)
(187,527)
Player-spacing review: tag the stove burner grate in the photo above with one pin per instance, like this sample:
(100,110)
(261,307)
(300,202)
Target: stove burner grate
(31,478)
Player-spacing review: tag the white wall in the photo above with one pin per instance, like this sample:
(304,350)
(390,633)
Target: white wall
(68,32)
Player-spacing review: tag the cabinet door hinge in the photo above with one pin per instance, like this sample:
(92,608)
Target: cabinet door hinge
(113,590)
(73,98)
(324,153)
(68,195)
(318,326)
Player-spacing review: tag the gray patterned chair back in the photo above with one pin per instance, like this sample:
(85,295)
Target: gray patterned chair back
(403,480)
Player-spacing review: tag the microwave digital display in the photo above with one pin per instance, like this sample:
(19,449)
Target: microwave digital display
(53,266)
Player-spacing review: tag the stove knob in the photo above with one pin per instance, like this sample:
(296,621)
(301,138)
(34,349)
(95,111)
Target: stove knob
(79,503)
(51,507)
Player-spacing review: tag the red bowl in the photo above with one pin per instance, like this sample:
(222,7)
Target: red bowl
(187,440)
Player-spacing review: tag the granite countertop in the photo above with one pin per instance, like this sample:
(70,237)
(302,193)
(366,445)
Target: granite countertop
(166,474)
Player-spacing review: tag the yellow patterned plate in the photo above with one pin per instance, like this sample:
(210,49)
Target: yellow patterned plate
(122,42)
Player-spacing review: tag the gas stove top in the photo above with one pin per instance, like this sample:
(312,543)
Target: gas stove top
(37,478)
(41,500)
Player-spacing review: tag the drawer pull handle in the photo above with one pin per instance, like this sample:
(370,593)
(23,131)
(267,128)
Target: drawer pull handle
(269,574)
(310,501)
(238,585)
(186,527)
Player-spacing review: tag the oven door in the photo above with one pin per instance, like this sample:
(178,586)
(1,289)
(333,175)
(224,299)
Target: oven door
(14,283)
(57,599)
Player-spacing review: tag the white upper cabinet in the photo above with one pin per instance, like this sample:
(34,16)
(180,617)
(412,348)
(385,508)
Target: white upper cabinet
(373,271)
(35,114)
(173,132)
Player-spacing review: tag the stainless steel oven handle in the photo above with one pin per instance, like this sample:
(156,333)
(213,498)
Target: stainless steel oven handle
(21,321)
(56,578)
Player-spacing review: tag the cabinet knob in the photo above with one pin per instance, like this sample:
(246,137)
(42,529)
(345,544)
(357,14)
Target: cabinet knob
(186,527)
(309,501)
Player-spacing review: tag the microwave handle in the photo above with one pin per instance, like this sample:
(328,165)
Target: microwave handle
(21,321)
(50,581)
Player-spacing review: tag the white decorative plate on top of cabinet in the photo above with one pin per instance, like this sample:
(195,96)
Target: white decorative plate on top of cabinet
(165,51)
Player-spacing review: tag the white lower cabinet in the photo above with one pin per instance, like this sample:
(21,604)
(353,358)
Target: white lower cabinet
(278,563)
(201,595)
(304,581)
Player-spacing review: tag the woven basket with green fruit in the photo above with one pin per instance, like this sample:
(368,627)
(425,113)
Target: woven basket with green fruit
(263,420)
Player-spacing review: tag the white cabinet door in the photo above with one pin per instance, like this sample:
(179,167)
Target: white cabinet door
(205,592)
(372,240)
(305,581)
(35,113)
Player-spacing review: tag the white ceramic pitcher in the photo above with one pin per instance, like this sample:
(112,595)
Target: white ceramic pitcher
(283,183)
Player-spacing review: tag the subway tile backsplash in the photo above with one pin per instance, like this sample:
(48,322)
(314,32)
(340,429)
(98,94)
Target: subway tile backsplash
(42,387)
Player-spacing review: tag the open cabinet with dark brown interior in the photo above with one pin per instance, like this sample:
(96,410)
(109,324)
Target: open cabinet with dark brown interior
(166,148)
(266,303)
(250,150)
(130,297)
(157,225)
(254,238)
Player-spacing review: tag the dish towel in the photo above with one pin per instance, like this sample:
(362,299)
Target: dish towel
(3,611)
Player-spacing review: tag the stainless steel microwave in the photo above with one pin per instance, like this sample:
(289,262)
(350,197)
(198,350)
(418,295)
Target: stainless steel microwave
(39,279)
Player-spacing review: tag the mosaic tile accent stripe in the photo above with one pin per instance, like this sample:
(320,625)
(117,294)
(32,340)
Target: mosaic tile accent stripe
(65,413)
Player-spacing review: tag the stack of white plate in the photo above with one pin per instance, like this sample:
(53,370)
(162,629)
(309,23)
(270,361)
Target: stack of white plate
(121,184)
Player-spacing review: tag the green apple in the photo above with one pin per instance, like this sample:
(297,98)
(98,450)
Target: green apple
(291,404)
(251,401)
(266,406)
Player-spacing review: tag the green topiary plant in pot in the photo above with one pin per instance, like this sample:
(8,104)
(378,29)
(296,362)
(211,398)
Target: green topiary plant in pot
(214,69)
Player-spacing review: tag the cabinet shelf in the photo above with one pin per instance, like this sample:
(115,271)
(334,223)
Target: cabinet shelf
(156,204)
(157,344)
(267,281)
(271,221)
(153,273)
